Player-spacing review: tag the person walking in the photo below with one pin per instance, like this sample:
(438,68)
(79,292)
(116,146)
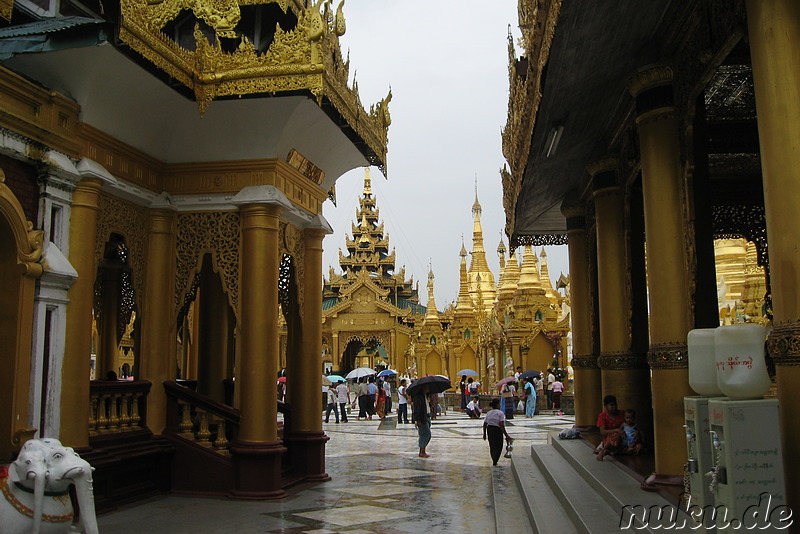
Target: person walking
(361,398)
(494,428)
(372,391)
(462,386)
(332,397)
(343,397)
(387,389)
(422,418)
(402,403)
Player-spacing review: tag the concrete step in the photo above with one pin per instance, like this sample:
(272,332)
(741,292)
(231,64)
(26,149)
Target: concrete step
(508,503)
(610,482)
(543,510)
(588,511)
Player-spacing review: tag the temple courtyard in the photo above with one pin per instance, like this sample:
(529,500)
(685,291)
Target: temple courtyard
(378,484)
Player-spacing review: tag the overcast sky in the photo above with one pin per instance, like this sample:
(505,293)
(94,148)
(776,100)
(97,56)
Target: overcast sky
(447,64)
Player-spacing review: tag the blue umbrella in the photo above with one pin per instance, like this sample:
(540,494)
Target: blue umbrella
(387,372)
(336,378)
(467,372)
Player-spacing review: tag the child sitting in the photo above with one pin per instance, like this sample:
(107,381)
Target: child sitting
(631,436)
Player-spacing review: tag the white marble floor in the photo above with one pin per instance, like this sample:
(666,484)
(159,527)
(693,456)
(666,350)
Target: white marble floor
(379,485)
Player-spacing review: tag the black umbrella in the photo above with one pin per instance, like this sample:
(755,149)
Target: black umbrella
(435,383)
(527,375)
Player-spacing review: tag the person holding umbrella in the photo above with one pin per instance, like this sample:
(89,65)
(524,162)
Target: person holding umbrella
(421,413)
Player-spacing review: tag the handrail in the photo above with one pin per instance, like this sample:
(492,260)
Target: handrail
(201,401)
(117,406)
(197,418)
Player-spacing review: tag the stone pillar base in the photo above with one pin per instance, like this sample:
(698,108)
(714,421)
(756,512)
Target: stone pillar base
(258,470)
(307,452)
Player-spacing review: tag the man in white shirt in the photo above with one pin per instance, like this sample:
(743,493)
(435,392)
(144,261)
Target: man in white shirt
(343,397)
(402,403)
(387,388)
(473,410)
(551,379)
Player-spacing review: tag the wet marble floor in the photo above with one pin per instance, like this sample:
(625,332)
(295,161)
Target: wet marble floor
(379,485)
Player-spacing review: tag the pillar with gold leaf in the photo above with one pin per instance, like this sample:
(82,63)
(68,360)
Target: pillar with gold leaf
(157,360)
(588,385)
(623,373)
(306,438)
(78,337)
(667,277)
(257,450)
(774,36)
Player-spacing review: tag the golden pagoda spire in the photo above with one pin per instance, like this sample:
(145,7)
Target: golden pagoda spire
(501,252)
(431,313)
(480,277)
(544,275)
(510,277)
(464,303)
(529,273)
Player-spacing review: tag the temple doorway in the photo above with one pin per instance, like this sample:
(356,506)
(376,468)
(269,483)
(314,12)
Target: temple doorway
(357,353)
(115,325)
(207,335)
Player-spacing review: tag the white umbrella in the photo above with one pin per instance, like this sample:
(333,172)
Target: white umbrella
(360,372)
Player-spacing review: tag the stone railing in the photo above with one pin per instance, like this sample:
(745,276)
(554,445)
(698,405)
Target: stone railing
(117,406)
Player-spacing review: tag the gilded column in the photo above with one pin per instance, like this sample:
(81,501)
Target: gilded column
(109,344)
(667,283)
(78,346)
(516,356)
(305,438)
(337,356)
(159,349)
(774,35)
(623,374)
(588,385)
(257,451)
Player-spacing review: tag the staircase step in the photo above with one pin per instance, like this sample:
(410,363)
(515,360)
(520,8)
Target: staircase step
(545,513)
(589,512)
(508,502)
(613,484)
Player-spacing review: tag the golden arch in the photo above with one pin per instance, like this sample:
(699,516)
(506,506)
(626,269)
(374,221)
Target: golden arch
(20,251)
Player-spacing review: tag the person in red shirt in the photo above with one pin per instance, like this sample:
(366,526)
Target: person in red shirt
(609,422)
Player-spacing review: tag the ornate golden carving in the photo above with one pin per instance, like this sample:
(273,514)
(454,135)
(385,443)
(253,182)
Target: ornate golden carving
(538,25)
(649,78)
(584,361)
(29,242)
(218,233)
(306,58)
(130,221)
(783,344)
(6,7)
(293,243)
(668,356)
(621,361)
